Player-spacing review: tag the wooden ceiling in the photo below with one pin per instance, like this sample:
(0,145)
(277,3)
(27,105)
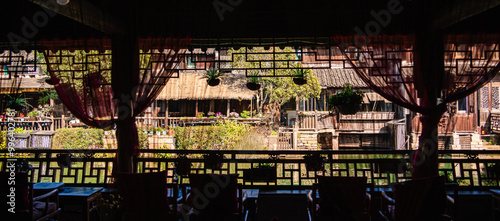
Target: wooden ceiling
(31,20)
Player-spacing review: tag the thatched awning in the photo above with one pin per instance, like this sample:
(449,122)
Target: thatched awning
(337,77)
(192,86)
(8,86)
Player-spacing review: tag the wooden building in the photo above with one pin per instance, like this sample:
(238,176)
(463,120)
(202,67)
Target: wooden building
(190,94)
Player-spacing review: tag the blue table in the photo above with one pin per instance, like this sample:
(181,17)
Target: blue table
(84,198)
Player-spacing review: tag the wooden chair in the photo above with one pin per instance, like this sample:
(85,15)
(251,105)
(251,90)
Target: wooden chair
(27,207)
(214,197)
(418,200)
(145,196)
(340,198)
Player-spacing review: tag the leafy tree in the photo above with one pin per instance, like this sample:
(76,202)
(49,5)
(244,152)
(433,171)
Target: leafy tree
(277,89)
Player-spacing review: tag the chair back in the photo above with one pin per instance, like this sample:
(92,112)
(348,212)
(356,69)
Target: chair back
(214,194)
(144,195)
(21,196)
(342,196)
(420,199)
(277,206)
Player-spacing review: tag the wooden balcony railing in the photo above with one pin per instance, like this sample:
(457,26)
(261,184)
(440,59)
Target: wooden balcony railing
(495,122)
(94,167)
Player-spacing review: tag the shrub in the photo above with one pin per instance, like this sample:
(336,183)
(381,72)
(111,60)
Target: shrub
(78,138)
(218,136)
(143,140)
(245,114)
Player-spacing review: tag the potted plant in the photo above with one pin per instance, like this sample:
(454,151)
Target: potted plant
(300,76)
(347,101)
(314,162)
(253,83)
(17,103)
(212,76)
(213,160)
(266,172)
(33,114)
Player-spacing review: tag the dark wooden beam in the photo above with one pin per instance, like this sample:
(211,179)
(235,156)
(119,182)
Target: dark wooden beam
(85,13)
(460,10)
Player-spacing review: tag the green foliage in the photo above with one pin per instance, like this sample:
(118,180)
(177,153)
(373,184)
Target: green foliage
(3,139)
(33,113)
(299,71)
(19,130)
(212,73)
(199,115)
(143,140)
(78,138)
(245,114)
(253,78)
(347,96)
(17,102)
(47,95)
(279,89)
(216,137)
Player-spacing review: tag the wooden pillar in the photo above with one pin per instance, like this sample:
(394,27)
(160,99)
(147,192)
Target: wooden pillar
(212,106)
(196,109)
(228,107)
(166,114)
(251,107)
(63,123)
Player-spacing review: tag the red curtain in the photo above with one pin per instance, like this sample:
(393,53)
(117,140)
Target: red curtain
(105,82)
(424,73)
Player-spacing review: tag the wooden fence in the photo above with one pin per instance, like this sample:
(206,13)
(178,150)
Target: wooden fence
(476,169)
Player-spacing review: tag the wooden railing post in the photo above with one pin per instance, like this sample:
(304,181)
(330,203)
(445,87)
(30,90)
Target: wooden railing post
(63,121)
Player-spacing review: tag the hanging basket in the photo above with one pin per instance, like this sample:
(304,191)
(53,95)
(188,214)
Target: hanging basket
(253,86)
(213,82)
(300,81)
(346,109)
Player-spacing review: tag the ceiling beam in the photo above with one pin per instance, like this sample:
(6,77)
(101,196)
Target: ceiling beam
(457,11)
(85,13)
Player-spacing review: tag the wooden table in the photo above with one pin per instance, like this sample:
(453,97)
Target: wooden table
(282,204)
(495,200)
(43,188)
(79,199)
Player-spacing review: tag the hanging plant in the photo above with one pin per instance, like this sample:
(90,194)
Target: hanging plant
(212,76)
(347,101)
(253,83)
(300,76)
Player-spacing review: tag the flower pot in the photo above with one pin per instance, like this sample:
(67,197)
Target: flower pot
(300,81)
(170,132)
(213,82)
(348,108)
(253,86)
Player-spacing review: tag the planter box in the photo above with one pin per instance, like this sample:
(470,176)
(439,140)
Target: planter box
(266,174)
